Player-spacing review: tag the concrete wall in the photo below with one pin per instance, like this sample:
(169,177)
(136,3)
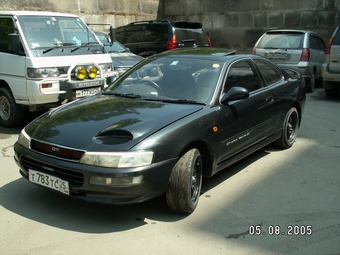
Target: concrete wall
(114,12)
(239,23)
(230,23)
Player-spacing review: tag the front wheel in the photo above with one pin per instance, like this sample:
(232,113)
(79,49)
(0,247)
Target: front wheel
(289,129)
(185,183)
(11,114)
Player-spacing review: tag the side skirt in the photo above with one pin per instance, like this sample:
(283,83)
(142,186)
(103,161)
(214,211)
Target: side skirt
(246,152)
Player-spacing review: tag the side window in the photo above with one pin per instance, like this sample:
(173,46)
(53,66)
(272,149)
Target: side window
(322,44)
(155,33)
(269,72)
(242,74)
(6,28)
(135,34)
(120,35)
(314,43)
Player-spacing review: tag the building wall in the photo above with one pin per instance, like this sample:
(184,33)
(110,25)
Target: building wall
(229,23)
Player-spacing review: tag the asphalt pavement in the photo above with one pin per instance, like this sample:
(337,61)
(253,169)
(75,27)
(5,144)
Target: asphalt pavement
(272,202)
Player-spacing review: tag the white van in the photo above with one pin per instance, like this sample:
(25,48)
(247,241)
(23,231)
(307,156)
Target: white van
(47,59)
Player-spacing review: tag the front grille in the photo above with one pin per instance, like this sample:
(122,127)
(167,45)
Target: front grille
(56,150)
(74,178)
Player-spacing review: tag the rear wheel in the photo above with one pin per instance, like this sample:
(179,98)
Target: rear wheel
(11,114)
(185,183)
(310,82)
(289,129)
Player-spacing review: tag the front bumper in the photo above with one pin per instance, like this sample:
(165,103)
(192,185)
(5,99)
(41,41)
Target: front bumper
(154,182)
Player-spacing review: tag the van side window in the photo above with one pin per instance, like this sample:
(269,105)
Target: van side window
(7,27)
(242,74)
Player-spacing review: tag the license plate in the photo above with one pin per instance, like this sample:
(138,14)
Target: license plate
(49,181)
(283,56)
(87,92)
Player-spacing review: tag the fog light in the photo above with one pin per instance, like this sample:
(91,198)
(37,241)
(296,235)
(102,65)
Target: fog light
(81,73)
(92,72)
(118,180)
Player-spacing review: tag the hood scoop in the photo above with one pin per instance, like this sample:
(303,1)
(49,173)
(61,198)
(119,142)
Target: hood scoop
(113,136)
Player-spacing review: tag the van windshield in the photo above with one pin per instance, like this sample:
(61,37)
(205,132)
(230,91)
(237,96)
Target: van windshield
(47,31)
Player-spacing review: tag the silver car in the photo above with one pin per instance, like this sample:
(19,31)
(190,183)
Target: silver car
(331,66)
(301,50)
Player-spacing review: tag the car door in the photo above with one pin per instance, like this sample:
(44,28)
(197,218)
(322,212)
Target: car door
(248,121)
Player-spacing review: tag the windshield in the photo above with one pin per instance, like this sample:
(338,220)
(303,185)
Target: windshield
(50,31)
(170,78)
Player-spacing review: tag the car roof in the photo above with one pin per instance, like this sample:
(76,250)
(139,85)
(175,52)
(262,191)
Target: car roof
(290,31)
(216,54)
(36,13)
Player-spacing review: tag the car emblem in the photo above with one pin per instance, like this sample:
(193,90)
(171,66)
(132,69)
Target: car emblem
(55,149)
(48,168)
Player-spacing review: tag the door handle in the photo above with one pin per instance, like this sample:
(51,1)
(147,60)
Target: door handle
(269,99)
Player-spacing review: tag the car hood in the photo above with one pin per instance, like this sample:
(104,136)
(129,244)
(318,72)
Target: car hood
(125,59)
(94,123)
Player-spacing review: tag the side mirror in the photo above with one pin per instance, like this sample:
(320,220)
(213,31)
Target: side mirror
(112,35)
(234,93)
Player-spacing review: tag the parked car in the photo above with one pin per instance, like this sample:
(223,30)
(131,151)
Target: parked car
(299,49)
(122,58)
(161,126)
(149,37)
(331,65)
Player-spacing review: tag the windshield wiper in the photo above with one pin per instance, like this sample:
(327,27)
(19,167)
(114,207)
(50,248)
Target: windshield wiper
(183,101)
(59,45)
(128,95)
(84,45)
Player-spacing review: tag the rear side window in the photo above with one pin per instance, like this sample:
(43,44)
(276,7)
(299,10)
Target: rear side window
(242,74)
(281,40)
(156,33)
(143,33)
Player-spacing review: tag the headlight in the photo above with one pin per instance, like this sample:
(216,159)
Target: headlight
(24,140)
(118,160)
(108,67)
(42,72)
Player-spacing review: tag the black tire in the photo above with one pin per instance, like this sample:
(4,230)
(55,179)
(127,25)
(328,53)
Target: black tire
(290,129)
(185,183)
(310,83)
(332,92)
(11,114)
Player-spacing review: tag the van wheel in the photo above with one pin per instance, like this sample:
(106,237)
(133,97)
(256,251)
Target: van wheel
(311,82)
(184,187)
(11,114)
